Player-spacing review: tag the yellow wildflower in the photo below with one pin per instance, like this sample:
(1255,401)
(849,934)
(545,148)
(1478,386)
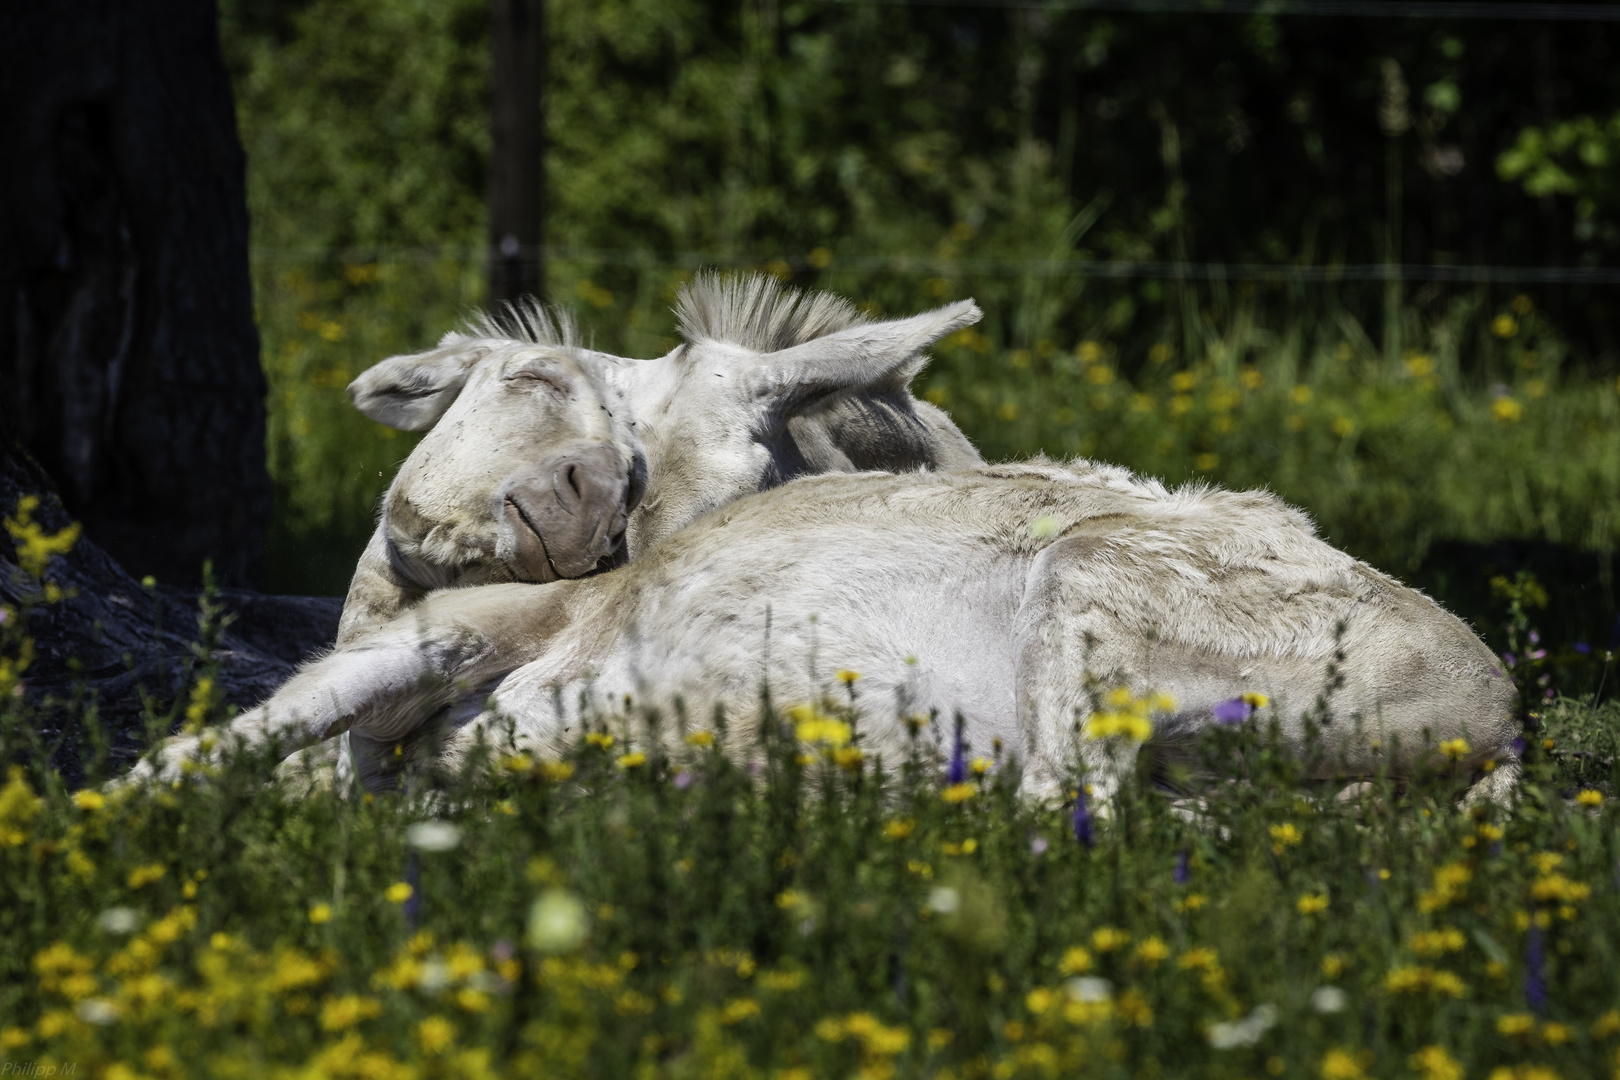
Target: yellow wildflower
(1285,836)
(1507,410)
(781,981)
(814,727)
(899,829)
(1438,942)
(1076,961)
(848,758)
(339,1013)
(1130,725)
(1504,325)
(1135,1009)
(294,970)
(320,913)
(1450,882)
(632,760)
(1560,888)
(435,1034)
(1109,938)
(1312,903)
(1340,1064)
(89,800)
(1200,959)
(1589,797)
(739,1009)
(846,676)
(1514,1024)
(1523,1072)
(142,876)
(1152,951)
(398,892)
(980,765)
(18,808)
(700,738)
(556,771)
(1606,1025)
(1455,749)
(1418,980)
(201,704)
(1434,1063)
(956,793)
(600,739)
(34,548)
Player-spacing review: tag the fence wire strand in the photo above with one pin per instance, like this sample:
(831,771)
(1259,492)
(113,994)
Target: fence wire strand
(1276,273)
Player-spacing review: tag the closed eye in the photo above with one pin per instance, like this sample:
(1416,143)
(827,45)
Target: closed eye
(530,377)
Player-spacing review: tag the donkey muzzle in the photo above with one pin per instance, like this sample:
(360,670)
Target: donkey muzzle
(567,513)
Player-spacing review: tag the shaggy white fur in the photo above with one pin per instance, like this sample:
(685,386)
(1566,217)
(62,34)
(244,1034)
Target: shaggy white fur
(1015,595)
(772,384)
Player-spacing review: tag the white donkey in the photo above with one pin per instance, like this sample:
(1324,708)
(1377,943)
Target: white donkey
(1017,596)
(547,460)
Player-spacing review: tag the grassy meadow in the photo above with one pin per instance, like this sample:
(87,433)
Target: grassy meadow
(653,908)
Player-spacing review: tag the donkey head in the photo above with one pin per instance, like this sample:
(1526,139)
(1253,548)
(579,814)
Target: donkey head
(772,384)
(528,471)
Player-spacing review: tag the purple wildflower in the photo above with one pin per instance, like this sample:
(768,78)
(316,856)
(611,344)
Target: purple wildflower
(1180,875)
(1232,712)
(1082,818)
(1507,658)
(683,780)
(1038,845)
(957,772)
(1535,976)
(1539,654)
(1535,638)
(1583,648)
(1518,745)
(413,878)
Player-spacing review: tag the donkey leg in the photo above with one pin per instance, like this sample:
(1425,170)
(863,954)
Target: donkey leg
(1067,653)
(387,683)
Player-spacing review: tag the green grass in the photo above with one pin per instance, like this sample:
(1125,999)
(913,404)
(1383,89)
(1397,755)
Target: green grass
(652,907)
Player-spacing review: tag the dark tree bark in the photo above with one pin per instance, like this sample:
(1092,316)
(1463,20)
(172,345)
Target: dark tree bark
(129,360)
(110,638)
(517,175)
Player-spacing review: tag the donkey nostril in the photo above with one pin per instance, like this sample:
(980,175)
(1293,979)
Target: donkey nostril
(572,475)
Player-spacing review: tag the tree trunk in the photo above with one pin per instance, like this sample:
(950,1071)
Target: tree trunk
(129,359)
(517,175)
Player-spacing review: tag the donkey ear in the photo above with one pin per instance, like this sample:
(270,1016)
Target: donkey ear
(411,392)
(872,353)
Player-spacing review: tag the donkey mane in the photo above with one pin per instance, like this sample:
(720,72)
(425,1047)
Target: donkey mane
(526,320)
(758,312)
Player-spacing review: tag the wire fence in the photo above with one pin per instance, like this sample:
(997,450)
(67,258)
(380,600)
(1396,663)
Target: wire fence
(821,259)
(1354,9)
